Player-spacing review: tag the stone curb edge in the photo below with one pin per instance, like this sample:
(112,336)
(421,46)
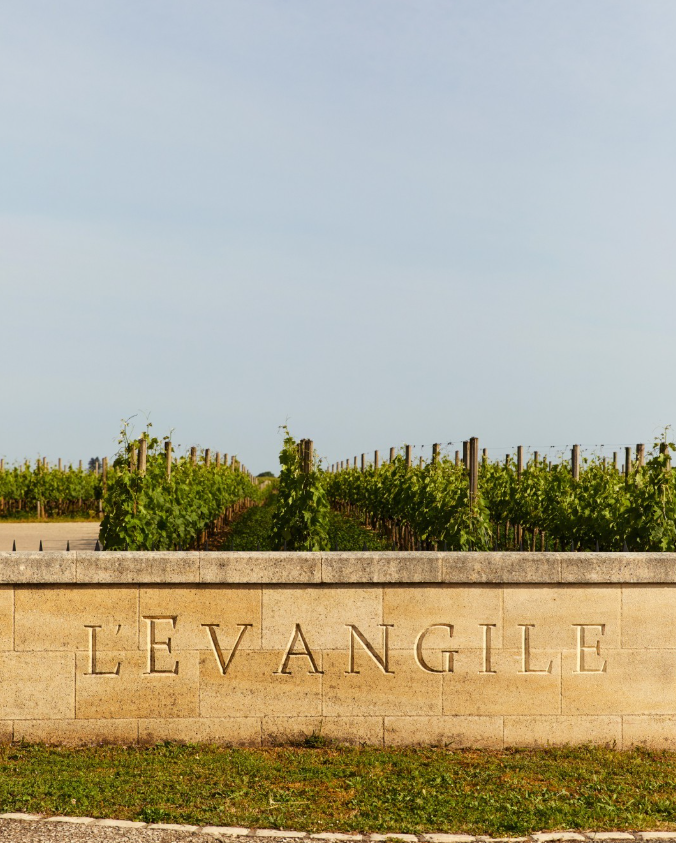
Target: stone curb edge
(336,837)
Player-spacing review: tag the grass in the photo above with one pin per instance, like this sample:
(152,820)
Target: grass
(347,788)
(251,531)
(346,533)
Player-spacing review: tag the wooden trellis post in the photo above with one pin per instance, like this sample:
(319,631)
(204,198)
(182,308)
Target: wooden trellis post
(307,455)
(473,469)
(142,455)
(640,455)
(167,454)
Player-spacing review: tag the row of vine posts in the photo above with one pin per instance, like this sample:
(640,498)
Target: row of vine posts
(59,506)
(403,537)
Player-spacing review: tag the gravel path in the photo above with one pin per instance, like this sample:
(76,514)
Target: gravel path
(30,828)
(82,535)
(69,830)
(20,831)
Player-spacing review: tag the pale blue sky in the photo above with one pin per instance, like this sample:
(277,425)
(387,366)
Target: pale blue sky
(382,221)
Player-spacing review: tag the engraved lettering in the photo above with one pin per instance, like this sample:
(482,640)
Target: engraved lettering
(296,636)
(381,661)
(92,654)
(224,663)
(487,647)
(154,645)
(525,650)
(583,647)
(447,655)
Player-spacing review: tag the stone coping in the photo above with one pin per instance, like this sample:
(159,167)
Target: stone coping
(227,832)
(368,567)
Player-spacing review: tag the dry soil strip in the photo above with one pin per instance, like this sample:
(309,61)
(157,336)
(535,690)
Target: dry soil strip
(36,828)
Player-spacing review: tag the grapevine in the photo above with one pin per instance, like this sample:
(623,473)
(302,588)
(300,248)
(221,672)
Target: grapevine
(543,506)
(154,509)
(301,520)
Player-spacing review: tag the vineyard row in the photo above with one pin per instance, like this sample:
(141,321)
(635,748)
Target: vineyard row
(470,503)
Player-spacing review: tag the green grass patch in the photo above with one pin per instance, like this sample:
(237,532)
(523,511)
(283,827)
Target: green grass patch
(347,788)
(346,533)
(252,530)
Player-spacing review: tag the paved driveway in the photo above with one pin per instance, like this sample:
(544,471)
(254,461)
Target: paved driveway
(82,535)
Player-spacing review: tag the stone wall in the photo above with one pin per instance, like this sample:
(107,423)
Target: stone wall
(464,649)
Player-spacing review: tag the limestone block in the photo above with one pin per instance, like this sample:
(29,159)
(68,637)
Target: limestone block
(244,567)
(254,687)
(633,682)
(322,614)
(379,566)
(458,838)
(134,692)
(71,820)
(57,617)
(657,731)
(224,731)
(49,566)
(560,730)
(225,830)
(354,730)
(407,690)
(37,686)
(120,824)
(76,732)
(137,567)
(6,617)
(468,690)
(453,731)
(342,730)
(231,607)
(285,730)
(649,616)
(555,610)
(618,567)
(6,731)
(413,609)
(501,567)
